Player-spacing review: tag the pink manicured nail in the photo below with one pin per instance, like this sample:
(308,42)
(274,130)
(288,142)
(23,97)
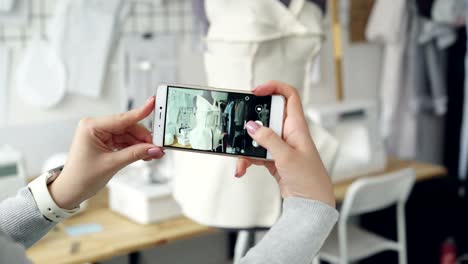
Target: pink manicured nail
(155,152)
(258,87)
(252,127)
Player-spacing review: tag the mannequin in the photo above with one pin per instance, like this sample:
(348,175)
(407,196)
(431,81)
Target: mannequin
(271,41)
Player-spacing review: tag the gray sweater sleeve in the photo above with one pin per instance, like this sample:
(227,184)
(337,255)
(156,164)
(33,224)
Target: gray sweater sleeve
(297,236)
(21,219)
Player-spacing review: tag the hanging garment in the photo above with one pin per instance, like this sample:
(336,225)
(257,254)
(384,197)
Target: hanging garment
(15,12)
(463,163)
(387,25)
(83,32)
(40,75)
(239,117)
(228,113)
(434,38)
(198,7)
(6,6)
(413,79)
(248,43)
(5,64)
(148,60)
(450,12)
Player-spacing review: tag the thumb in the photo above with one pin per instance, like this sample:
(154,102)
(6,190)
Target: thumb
(137,152)
(268,139)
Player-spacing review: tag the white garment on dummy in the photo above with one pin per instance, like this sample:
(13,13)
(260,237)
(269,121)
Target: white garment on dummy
(40,75)
(83,33)
(248,43)
(5,64)
(205,135)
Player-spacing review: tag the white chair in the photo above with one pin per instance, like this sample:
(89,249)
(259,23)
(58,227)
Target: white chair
(348,242)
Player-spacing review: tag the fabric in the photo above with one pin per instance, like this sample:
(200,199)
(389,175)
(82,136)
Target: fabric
(307,224)
(239,116)
(148,61)
(386,25)
(198,7)
(272,41)
(296,237)
(15,12)
(11,252)
(7,5)
(205,135)
(41,75)
(413,77)
(448,11)
(85,52)
(21,219)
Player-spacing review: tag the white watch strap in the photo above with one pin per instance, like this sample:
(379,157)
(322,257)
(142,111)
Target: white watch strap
(44,200)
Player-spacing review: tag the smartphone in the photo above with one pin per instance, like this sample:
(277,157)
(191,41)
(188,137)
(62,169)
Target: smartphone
(213,120)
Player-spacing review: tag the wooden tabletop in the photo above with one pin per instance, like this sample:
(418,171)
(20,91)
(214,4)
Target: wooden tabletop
(423,171)
(121,236)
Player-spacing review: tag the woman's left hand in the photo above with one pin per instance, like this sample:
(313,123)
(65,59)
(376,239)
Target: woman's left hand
(100,148)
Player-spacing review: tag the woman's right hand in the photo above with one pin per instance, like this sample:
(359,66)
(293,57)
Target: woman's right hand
(297,165)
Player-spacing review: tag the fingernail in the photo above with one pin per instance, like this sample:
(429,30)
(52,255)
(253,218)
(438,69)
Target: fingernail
(155,152)
(252,127)
(258,87)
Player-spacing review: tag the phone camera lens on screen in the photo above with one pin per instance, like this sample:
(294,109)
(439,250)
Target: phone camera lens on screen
(214,121)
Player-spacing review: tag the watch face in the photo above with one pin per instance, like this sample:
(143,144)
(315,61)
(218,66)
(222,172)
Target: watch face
(53,174)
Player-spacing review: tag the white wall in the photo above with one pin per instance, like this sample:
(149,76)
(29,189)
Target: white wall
(40,133)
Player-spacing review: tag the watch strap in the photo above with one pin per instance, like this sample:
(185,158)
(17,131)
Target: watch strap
(44,200)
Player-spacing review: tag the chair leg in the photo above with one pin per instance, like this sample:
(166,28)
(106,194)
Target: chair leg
(402,256)
(245,240)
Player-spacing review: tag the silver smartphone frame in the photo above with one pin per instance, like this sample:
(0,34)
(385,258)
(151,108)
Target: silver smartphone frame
(276,124)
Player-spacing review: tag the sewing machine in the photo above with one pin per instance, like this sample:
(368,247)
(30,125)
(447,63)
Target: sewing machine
(136,194)
(12,175)
(355,125)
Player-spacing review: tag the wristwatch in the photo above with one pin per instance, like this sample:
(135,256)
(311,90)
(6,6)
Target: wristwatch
(46,204)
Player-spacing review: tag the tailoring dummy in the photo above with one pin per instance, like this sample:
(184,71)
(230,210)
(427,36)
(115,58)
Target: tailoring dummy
(206,134)
(248,43)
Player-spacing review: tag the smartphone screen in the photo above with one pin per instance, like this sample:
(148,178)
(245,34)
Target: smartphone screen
(214,121)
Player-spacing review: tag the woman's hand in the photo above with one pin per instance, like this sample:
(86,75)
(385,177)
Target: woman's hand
(100,148)
(297,165)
